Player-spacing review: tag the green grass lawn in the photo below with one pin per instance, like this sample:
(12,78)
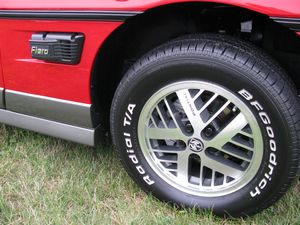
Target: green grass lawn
(45,180)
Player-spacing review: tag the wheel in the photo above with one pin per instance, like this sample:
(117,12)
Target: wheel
(208,121)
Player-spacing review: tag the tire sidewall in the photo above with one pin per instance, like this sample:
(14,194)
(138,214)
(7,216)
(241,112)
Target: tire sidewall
(139,85)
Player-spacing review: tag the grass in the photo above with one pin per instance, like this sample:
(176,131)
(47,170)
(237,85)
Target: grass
(49,181)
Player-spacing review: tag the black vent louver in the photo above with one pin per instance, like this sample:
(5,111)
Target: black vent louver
(57,47)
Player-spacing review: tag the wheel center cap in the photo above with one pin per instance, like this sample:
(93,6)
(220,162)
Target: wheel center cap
(195,145)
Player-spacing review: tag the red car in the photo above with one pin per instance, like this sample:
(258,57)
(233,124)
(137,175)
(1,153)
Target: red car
(200,97)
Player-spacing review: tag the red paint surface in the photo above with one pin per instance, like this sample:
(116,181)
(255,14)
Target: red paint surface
(283,8)
(1,74)
(69,82)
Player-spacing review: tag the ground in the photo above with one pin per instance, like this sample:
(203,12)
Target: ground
(44,180)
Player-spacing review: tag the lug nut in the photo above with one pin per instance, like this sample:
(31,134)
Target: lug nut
(189,128)
(209,131)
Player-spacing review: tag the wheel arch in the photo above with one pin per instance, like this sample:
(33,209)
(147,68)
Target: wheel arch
(145,31)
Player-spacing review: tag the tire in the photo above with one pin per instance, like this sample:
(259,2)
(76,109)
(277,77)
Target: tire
(208,121)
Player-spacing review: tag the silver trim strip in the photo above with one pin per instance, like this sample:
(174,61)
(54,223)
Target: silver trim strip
(63,111)
(55,129)
(1,97)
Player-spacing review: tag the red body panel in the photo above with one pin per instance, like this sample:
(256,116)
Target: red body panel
(1,74)
(69,82)
(284,8)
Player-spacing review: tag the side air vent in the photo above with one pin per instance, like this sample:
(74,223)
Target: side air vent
(57,47)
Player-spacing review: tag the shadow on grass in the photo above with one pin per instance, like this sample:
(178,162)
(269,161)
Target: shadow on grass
(87,171)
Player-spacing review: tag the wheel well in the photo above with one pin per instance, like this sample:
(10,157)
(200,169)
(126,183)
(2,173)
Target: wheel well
(154,27)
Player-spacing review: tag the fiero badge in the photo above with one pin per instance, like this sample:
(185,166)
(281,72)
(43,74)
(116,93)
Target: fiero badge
(57,47)
(39,50)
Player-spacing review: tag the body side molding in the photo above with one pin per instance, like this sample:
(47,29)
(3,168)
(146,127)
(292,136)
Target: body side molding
(55,129)
(69,112)
(68,14)
(1,98)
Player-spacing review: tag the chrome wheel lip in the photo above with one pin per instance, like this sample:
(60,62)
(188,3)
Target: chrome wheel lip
(203,191)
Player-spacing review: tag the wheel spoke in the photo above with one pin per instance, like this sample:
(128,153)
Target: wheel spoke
(246,134)
(200,138)
(220,167)
(216,113)
(163,133)
(228,132)
(190,110)
(242,145)
(183,166)
(201,174)
(168,160)
(237,155)
(168,149)
(204,107)
(198,94)
(171,111)
(153,121)
(163,119)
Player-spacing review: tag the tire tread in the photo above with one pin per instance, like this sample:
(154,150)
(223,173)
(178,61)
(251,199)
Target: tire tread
(262,66)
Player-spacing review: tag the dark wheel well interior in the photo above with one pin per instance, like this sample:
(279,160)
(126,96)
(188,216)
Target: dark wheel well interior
(146,31)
